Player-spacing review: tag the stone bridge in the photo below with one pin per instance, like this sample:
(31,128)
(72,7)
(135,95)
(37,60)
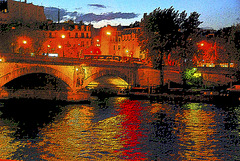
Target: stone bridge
(74,73)
(77,74)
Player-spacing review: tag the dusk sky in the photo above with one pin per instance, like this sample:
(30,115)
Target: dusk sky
(214,13)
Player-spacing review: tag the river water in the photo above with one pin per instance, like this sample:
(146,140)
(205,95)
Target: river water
(119,129)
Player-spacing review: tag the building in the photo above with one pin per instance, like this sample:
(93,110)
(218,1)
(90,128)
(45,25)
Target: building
(67,39)
(63,39)
(17,11)
(120,41)
(128,45)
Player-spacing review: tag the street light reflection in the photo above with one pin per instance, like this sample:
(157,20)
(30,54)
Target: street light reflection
(196,141)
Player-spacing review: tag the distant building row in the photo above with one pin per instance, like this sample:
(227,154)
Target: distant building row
(67,39)
(73,40)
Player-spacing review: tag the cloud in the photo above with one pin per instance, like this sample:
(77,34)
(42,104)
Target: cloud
(52,13)
(91,17)
(97,5)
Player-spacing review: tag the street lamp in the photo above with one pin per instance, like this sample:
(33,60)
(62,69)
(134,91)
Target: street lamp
(63,37)
(24,42)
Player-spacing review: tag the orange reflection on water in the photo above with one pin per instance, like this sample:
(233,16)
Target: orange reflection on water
(76,137)
(7,144)
(195,132)
(131,131)
(63,139)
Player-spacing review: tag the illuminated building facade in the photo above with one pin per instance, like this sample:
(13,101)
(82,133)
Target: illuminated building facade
(128,45)
(15,11)
(120,41)
(67,39)
(108,40)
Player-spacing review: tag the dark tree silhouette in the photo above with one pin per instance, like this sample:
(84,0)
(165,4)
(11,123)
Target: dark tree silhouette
(164,31)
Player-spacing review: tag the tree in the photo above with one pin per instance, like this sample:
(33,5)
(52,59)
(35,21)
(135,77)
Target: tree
(164,32)
(22,38)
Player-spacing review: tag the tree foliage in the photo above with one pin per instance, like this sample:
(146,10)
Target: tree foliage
(166,31)
(228,41)
(14,35)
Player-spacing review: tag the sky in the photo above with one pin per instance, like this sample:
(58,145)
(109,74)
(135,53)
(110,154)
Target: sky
(215,14)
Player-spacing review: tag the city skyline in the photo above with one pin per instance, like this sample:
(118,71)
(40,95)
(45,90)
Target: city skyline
(214,14)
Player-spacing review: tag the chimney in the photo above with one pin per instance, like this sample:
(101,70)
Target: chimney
(58,15)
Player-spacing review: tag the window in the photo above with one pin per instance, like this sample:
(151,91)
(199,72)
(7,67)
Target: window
(82,35)
(82,28)
(76,35)
(87,28)
(82,44)
(3,6)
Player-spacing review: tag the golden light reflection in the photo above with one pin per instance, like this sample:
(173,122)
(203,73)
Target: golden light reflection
(156,108)
(7,144)
(118,82)
(93,84)
(108,81)
(195,132)
(77,137)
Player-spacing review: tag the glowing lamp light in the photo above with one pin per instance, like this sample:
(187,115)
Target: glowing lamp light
(24,42)
(63,36)
(202,44)
(48,46)
(108,33)
(59,46)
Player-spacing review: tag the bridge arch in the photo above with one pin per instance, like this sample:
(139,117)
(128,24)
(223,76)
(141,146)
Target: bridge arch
(106,73)
(34,69)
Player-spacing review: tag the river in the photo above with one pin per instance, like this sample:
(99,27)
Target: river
(118,129)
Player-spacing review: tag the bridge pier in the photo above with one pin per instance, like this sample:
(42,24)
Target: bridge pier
(78,96)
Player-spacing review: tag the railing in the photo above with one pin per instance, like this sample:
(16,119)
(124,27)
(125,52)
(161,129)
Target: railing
(9,57)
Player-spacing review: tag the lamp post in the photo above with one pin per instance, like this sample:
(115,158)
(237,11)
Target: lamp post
(13,46)
(63,37)
(24,45)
